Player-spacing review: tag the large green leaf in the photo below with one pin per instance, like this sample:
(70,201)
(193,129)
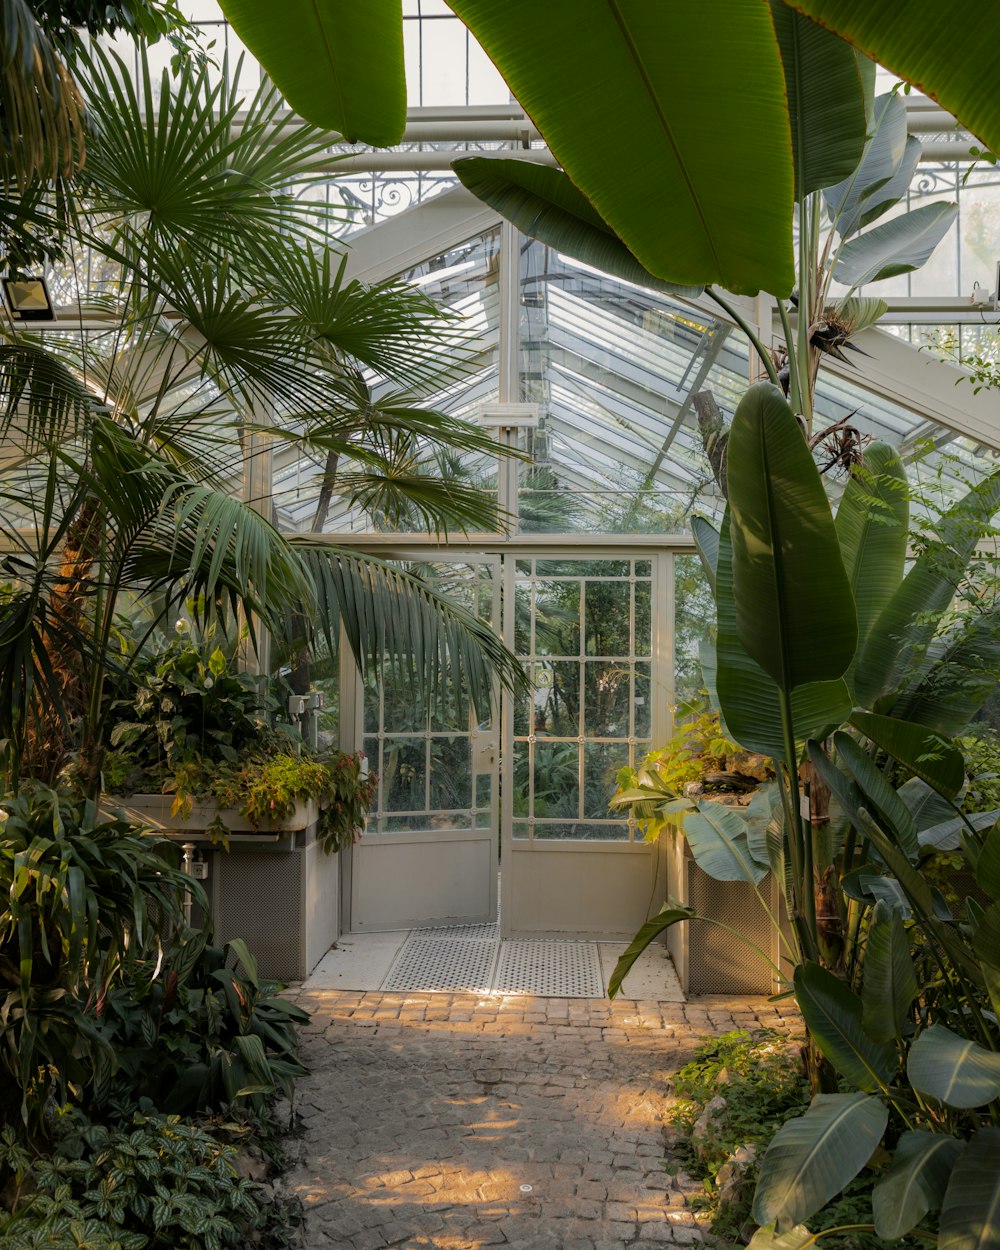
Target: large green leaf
(899,245)
(947,835)
(747,696)
(882,198)
(877,790)
(794,611)
(814,1156)
(890,982)
(649,932)
(610,87)
(970,1213)
(916,1182)
(707,538)
(338,65)
(717,836)
(986,939)
(957,677)
(883,156)
(826,103)
(953,1069)
(988,866)
(908,621)
(833,1015)
(797,1238)
(872,529)
(947,49)
(926,806)
(543,203)
(939,763)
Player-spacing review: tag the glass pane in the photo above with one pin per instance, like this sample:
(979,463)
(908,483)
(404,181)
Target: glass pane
(644,696)
(608,690)
(578,831)
(522,767)
(484,801)
(557,618)
(694,620)
(602,760)
(522,620)
(521,829)
(555,702)
(403,775)
(643,618)
(608,618)
(557,779)
(451,773)
(643,568)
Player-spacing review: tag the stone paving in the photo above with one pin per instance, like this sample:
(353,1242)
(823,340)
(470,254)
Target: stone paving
(457,1122)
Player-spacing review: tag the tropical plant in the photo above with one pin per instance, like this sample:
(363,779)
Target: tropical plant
(229,323)
(194,1029)
(82,897)
(698,194)
(153,1181)
(914,1035)
(851,636)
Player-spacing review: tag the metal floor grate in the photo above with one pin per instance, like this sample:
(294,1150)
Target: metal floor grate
(550,969)
(472,958)
(489,932)
(433,964)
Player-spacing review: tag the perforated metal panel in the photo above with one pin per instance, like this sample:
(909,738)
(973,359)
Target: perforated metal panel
(430,964)
(550,969)
(461,933)
(718,963)
(259,896)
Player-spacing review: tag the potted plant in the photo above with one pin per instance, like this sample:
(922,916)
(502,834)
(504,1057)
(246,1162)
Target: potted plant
(194,744)
(195,750)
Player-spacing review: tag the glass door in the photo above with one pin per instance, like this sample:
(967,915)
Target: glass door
(428,856)
(600,665)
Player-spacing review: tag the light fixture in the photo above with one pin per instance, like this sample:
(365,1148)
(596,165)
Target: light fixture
(28,299)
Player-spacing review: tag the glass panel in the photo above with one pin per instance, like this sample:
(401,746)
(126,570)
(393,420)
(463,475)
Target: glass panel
(602,760)
(555,702)
(521,829)
(606,707)
(643,568)
(608,618)
(557,779)
(694,619)
(484,801)
(522,620)
(403,774)
(522,773)
(451,773)
(643,618)
(616,831)
(557,618)
(643,699)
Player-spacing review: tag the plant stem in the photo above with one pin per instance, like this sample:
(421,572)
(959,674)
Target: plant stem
(759,347)
(794,385)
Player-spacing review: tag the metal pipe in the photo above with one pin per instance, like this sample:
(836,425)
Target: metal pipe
(187,860)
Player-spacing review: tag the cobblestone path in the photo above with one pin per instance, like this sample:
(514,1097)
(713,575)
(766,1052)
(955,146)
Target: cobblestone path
(447,1121)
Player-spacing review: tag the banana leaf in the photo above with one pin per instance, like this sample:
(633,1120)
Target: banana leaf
(955,1070)
(915,1183)
(833,1015)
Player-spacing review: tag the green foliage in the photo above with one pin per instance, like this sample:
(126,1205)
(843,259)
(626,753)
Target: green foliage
(763,1083)
(81,896)
(155,1182)
(698,746)
(195,1029)
(194,726)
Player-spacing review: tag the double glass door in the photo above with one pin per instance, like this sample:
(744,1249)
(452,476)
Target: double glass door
(449,814)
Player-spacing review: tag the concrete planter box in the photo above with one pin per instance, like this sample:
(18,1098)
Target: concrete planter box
(154,810)
(275,886)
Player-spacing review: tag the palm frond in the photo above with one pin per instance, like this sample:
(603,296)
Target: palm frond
(389,613)
(39,102)
(188,168)
(389,327)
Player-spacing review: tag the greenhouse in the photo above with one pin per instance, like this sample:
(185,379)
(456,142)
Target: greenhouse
(499,625)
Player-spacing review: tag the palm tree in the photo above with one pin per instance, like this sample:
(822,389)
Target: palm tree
(224,322)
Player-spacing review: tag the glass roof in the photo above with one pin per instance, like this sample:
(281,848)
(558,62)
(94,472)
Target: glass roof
(614,370)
